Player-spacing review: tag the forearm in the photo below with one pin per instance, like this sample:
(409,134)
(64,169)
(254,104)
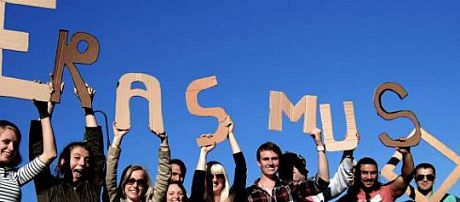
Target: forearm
(233,143)
(49,146)
(323,166)
(90,119)
(163,173)
(408,167)
(201,165)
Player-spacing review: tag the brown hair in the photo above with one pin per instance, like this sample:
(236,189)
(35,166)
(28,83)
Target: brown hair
(4,124)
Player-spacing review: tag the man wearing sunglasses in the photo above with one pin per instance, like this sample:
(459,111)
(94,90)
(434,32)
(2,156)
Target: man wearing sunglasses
(425,174)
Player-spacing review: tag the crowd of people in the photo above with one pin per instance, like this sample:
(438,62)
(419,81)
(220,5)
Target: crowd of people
(85,174)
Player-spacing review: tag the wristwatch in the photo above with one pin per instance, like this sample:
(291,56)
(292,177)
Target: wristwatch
(320,148)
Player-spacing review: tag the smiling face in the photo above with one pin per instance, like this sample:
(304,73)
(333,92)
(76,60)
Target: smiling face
(368,175)
(268,163)
(136,186)
(424,177)
(8,146)
(79,162)
(174,193)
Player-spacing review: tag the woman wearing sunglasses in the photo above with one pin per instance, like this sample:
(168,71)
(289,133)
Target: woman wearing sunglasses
(210,182)
(136,184)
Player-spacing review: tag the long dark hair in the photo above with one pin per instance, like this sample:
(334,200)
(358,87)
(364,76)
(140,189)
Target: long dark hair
(63,169)
(4,124)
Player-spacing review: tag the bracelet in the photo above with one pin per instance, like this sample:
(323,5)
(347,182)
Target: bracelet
(321,148)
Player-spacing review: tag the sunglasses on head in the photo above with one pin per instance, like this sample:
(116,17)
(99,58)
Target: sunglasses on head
(140,182)
(429,177)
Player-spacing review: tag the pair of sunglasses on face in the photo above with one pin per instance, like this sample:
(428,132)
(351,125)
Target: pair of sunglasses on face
(429,177)
(140,182)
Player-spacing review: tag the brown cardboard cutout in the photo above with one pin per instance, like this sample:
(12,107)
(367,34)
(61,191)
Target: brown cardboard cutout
(19,41)
(351,139)
(279,104)
(384,137)
(191,96)
(450,181)
(69,55)
(152,93)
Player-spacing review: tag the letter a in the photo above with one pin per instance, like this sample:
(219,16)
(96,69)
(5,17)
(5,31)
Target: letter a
(152,93)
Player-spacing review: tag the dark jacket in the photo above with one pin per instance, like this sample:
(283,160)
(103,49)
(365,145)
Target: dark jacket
(53,189)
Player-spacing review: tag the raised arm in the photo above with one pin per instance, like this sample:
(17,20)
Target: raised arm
(49,147)
(164,168)
(239,178)
(323,167)
(399,185)
(199,177)
(112,162)
(231,136)
(95,142)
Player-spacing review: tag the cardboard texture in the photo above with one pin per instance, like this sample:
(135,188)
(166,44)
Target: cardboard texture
(450,181)
(191,96)
(280,103)
(351,139)
(68,55)
(384,137)
(152,94)
(19,41)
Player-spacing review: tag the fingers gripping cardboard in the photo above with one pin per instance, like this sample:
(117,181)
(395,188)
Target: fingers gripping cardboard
(384,137)
(152,93)
(69,55)
(19,41)
(191,96)
(351,139)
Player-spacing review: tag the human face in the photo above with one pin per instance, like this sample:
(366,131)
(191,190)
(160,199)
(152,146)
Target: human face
(218,183)
(368,175)
(268,163)
(79,162)
(296,175)
(136,186)
(174,193)
(8,146)
(176,173)
(421,178)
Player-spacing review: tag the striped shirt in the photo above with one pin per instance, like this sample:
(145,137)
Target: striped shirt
(12,179)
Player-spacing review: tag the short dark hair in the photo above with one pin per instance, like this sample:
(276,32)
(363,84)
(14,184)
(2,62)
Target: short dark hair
(288,161)
(4,124)
(181,164)
(268,146)
(426,166)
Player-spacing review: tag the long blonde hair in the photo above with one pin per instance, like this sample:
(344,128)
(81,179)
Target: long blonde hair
(214,167)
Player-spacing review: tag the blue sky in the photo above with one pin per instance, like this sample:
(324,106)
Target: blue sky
(336,50)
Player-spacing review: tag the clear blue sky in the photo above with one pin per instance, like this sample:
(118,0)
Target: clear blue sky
(336,50)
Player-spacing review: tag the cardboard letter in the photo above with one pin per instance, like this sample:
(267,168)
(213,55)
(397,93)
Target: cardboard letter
(19,41)
(279,103)
(450,181)
(384,137)
(69,55)
(351,139)
(152,93)
(191,96)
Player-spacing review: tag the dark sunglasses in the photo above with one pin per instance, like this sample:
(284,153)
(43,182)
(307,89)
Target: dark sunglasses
(429,177)
(140,182)
(218,176)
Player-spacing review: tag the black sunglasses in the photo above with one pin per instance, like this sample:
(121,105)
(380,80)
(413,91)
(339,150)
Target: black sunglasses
(140,182)
(429,177)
